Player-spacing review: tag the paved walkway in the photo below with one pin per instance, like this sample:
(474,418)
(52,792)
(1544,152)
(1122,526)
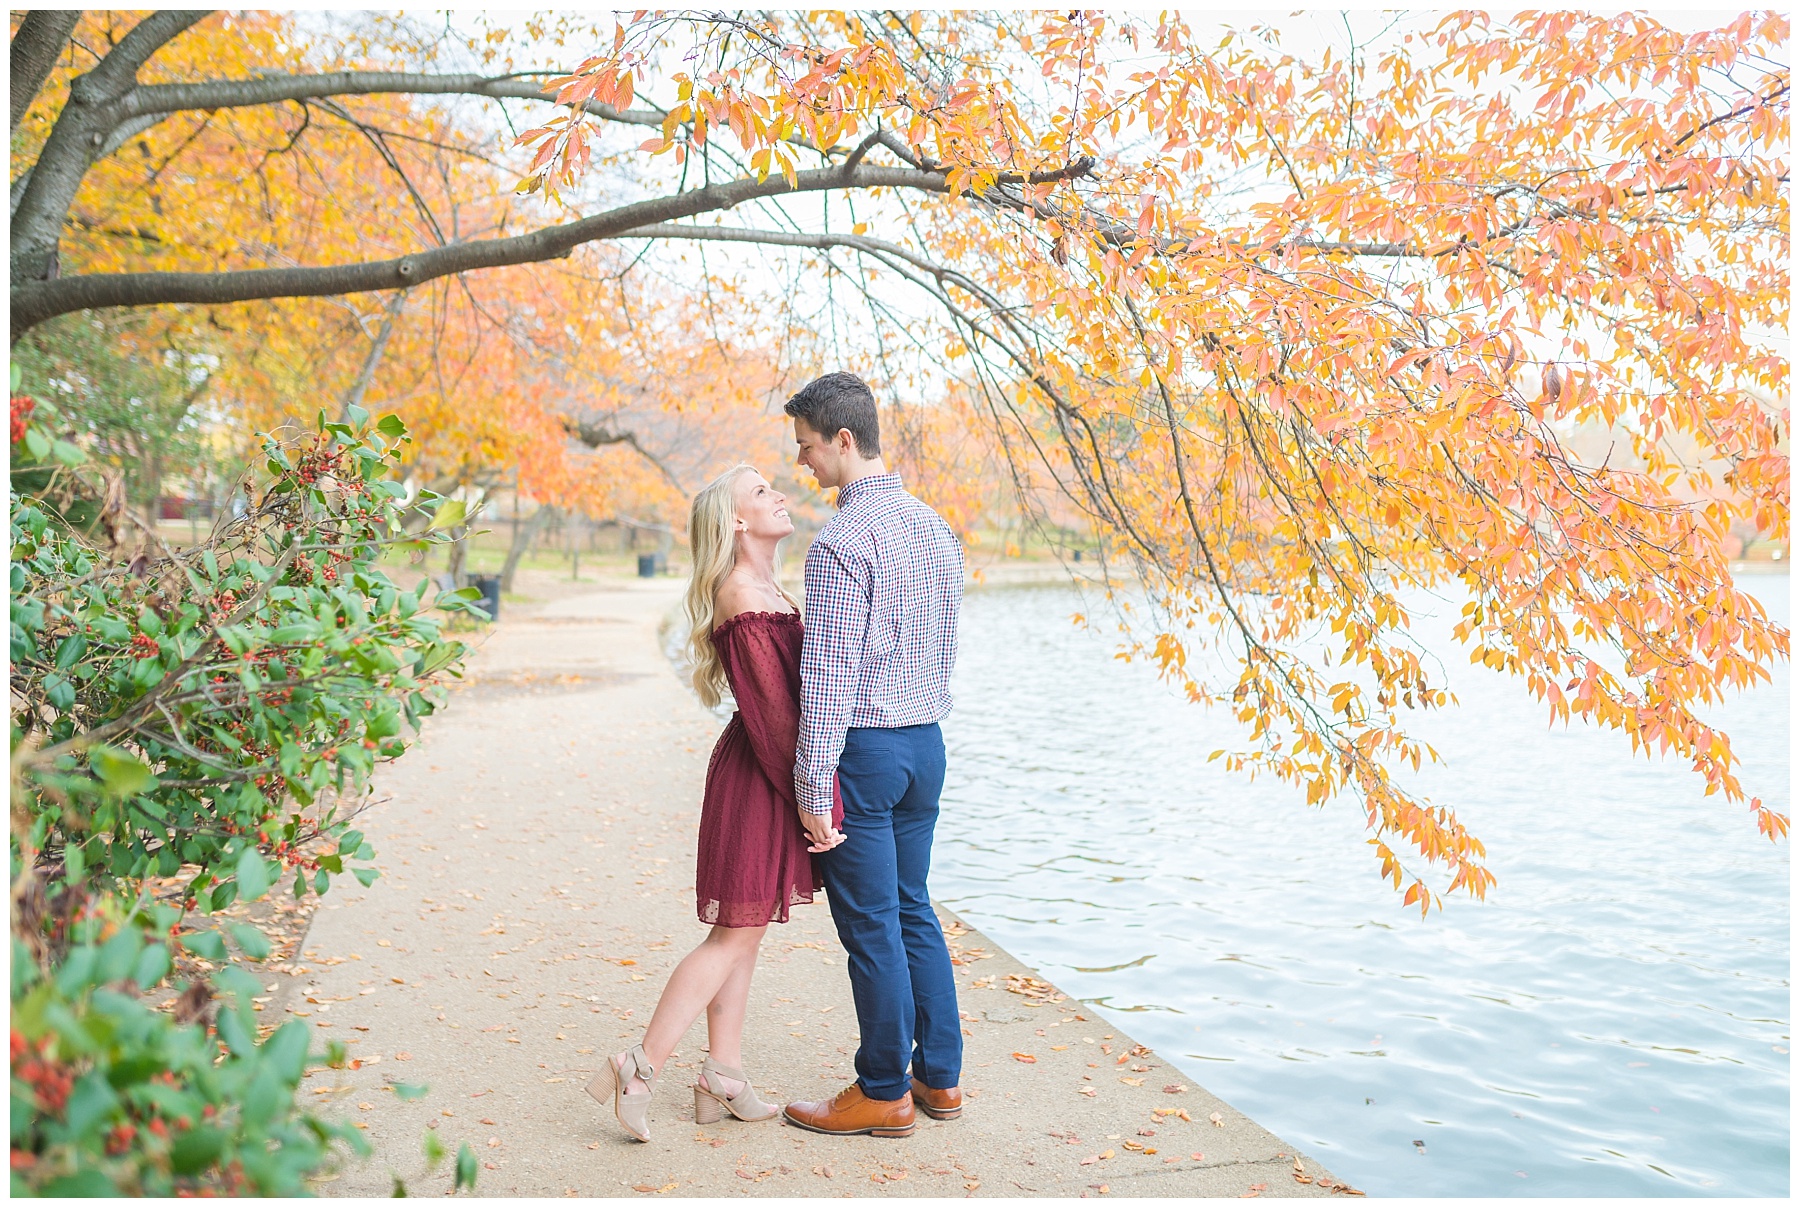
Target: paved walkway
(538,852)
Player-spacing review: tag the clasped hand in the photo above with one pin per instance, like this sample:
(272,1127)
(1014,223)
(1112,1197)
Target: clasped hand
(823,835)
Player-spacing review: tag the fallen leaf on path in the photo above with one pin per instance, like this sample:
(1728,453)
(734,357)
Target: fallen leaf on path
(1026,1058)
(1174,1088)
(493,1142)
(383,944)
(1132,1081)
(1057,1048)
(402,1056)
(1089,1091)
(1217,1120)
(365,1107)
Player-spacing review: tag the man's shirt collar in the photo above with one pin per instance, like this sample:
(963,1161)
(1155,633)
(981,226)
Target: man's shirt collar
(873,484)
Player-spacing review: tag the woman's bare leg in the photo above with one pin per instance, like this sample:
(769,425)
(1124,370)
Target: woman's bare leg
(696,981)
(725,1022)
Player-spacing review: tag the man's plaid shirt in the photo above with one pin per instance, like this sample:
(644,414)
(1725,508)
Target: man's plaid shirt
(884,582)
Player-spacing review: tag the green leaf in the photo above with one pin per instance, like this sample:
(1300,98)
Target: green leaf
(408,1091)
(434,1148)
(252,875)
(123,773)
(367,875)
(118,955)
(391,426)
(59,692)
(285,1051)
(265,1097)
(449,514)
(68,454)
(37,443)
(208,944)
(152,966)
(465,1167)
(196,1149)
(251,941)
(91,1101)
(69,651)
(89,1184)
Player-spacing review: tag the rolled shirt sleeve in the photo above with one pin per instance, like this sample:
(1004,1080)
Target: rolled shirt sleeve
(831,656)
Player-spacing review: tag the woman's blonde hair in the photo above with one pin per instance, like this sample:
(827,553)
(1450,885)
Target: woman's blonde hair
(712,542)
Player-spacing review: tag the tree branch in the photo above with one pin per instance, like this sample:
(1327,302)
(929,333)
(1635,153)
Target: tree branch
(275,87)
(595,434)
(41,37)
(35,301)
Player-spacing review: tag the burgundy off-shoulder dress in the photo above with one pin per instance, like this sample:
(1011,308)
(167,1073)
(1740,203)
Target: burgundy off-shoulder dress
(753,863)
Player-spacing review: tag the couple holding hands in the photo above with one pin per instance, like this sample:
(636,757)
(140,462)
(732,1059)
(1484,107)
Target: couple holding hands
(826,777)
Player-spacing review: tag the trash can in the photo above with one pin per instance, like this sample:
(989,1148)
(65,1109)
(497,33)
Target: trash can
(489,587)
(646,566)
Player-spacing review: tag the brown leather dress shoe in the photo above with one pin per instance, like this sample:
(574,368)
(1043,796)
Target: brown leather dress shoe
(853,1113)
(939,1105)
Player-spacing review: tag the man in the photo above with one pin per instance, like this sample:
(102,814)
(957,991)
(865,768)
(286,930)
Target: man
(883,585)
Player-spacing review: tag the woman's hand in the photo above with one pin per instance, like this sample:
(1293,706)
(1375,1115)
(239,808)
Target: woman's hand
(819,830)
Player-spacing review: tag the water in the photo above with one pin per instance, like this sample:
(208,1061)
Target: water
(1613,1020)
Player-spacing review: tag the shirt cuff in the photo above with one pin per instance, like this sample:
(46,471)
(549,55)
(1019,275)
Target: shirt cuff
(812,798)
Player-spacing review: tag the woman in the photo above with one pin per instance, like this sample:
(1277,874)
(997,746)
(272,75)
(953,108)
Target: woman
(754,860)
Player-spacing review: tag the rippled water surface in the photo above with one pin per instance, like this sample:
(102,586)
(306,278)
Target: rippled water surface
(1612,1021)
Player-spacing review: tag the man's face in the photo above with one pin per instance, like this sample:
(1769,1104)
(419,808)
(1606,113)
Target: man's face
(824,457)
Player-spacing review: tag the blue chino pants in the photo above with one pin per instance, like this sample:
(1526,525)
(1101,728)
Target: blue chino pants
(900,971)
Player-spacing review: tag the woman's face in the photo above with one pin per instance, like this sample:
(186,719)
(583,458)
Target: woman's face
(761,509)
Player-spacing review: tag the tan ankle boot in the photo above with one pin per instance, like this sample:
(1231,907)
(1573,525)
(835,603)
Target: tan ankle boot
(711,1101)
(633,1111)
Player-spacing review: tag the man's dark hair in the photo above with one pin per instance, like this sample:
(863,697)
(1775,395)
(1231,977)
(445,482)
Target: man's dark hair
(837,401)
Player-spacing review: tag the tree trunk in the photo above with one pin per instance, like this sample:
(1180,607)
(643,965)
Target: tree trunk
(459,556)
(524,533)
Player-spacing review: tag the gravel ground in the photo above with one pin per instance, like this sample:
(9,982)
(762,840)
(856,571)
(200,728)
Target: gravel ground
(538,851)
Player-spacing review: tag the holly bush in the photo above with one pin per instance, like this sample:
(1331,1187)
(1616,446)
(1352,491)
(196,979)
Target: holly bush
(213,713)
(110,1097)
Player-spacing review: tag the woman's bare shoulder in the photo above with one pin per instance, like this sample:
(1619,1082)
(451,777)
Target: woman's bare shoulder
(734,598)
(737,596)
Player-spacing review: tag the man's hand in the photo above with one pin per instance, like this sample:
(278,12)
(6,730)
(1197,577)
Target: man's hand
(819,830)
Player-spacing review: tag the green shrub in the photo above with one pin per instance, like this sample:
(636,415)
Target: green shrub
(214,712)
(110,1097)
